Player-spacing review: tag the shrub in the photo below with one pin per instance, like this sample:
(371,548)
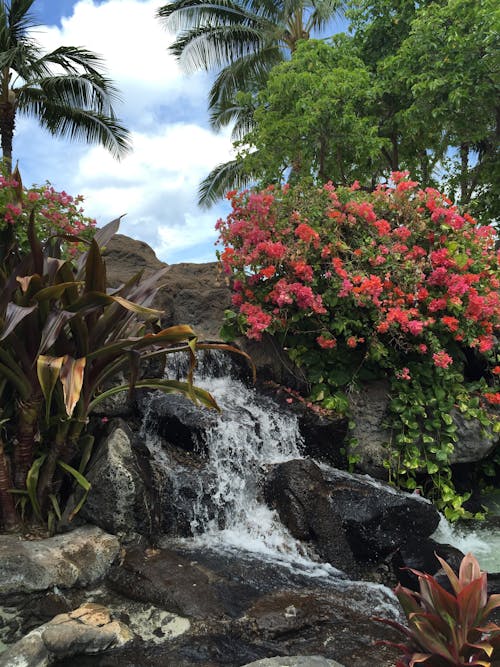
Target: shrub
(392,284)
(62,337)
(449,630)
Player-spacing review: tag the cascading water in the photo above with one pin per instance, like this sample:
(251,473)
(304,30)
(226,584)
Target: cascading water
(227,513)
(251,433)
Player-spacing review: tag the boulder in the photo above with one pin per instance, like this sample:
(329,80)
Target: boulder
(79,558)
(298,491)
(88,629)
(120,500)
(345,516)
(368,410)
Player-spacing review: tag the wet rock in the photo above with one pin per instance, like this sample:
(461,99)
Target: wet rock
(179,585)
(79,558)
(377,519)
(88,629)
(298,491)
(346,516)
(420,554)
(121,499)
(295,661)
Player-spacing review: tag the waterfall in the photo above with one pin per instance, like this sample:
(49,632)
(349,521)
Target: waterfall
(251,432)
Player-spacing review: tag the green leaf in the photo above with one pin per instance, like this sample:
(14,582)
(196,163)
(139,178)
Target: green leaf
(32,484)
(81,481)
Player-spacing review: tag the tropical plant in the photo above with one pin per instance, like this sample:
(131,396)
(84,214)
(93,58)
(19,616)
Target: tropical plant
(395,285)
(448,629)
(63,337)
(65,90)
(244,40)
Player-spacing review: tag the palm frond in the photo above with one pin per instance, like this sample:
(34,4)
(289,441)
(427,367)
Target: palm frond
(70,90)
(323,12)
(75,123)
(186,14)
(206,47)
(227,176)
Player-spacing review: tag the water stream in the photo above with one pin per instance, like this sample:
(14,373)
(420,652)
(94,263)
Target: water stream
(251,433)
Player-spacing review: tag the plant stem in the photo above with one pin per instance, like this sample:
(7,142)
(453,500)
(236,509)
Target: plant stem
(8,514)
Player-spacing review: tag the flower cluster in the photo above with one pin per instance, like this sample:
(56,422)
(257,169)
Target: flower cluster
(390,283)
(56,213)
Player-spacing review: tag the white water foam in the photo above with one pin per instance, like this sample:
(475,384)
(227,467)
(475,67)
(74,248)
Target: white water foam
(480,539)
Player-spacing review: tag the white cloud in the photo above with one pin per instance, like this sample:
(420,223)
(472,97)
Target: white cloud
(156,185)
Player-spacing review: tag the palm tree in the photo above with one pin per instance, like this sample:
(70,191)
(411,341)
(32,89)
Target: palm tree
(244,40)
(64,89)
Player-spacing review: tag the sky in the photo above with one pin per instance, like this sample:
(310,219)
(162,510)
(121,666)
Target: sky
(164,109)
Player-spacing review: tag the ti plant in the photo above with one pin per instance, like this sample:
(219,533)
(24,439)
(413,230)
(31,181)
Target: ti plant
(449,629)
(63,337)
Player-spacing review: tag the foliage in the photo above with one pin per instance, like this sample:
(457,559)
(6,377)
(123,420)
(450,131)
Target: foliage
(63,338)
(65,90)
(243,40)
(314,117)
(445,629)
(54,213)
(393,284)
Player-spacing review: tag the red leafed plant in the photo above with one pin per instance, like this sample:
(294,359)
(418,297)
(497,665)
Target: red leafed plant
(445,629)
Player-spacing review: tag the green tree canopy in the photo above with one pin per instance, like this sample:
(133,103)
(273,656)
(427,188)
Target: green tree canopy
(65,90)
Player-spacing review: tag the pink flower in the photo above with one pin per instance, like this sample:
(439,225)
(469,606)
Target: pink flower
(442,359)
(326,343)
(403,374)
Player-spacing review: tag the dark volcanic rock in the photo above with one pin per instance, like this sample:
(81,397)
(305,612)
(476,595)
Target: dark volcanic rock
(298,491)
(377,518)
(332,509)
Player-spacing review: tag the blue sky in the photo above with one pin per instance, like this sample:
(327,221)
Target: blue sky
(164,109)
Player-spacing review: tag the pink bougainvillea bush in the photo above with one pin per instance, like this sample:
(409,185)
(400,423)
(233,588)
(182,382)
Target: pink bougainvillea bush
(54,213)
(395,284)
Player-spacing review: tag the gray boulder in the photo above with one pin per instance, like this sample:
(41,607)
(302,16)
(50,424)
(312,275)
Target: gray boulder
(120,499)
(295,661)
(79,558)
(87,630)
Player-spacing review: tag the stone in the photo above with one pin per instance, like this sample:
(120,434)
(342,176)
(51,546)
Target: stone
(346,517)
(377,518)
(474,441)
(297,490)
(368,410)
(88,629)
(79,558)
(120,498)
(295,661)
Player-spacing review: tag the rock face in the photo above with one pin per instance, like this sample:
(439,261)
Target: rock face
(368,409)
(346,517)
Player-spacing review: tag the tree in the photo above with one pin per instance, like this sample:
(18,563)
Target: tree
(244,40)
(450,61)
(314,118)
(65,89)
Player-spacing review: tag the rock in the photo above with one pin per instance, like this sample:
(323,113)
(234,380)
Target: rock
(88,629)
(297,490)
(295,661)
(125,257)
(120,498)
(368,409)
(346,516)
(420,554)
(377,518)
(177,584)
(474,441)
(79,558)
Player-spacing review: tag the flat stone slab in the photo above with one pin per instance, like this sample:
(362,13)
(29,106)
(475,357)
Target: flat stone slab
(78,558)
